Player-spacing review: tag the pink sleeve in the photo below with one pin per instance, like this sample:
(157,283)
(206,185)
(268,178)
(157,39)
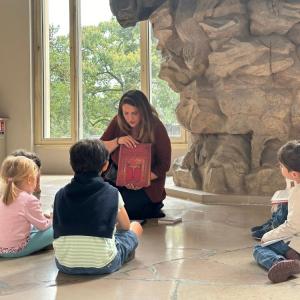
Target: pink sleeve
(34,214)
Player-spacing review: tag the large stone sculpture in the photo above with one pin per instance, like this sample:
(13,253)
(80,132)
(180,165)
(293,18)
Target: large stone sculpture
(236,65)
(129,12)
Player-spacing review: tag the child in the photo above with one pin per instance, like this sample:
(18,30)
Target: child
(33,156)
(279,215)
(85,215)
(19,210)
(281,258)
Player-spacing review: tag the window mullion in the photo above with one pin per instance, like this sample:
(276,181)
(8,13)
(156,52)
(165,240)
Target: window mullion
(75,61)
(145,44)
(38,70)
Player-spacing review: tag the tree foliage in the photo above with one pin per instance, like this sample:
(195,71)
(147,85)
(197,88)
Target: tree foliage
(111,65)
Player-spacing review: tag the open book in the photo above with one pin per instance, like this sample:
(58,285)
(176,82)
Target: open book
(134,165)
(273,242)
(280,196)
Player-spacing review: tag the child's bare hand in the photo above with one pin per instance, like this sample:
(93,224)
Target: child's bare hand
(48,216)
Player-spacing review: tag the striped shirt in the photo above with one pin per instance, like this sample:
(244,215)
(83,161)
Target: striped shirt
(86,251)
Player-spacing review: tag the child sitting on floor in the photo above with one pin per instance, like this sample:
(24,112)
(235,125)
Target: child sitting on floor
(85,215)
(281,257)
(19,210)
(279,215)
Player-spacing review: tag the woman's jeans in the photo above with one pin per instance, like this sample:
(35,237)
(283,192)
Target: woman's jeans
(269,255)
(126,242)
(37,241)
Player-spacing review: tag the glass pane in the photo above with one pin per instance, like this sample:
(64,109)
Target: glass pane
(110,64)
(163,98)
(57,105)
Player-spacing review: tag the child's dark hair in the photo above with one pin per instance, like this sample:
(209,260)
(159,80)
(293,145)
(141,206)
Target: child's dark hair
(31,155)
(88,155)
(289,155)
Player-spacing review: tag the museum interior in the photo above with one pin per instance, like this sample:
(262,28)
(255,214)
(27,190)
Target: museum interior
(224,78)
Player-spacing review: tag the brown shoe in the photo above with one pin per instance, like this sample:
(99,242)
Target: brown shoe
(292,254)
(284,269)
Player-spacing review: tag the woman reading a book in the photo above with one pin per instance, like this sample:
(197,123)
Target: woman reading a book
(137,122)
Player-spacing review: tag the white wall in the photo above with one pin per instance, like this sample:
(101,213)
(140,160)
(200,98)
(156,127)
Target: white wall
(16,87)
(15,73)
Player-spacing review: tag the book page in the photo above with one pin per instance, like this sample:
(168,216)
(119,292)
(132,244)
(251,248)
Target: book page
(273,242)
(280,196)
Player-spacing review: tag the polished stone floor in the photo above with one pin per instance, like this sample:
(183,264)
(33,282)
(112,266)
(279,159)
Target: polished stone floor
(207,256)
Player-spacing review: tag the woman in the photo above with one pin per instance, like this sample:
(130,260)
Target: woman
(138,122)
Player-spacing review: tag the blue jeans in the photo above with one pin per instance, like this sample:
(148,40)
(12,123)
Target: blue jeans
(269,255)
(278,218)
(280,215)
(37,241)
(126,242)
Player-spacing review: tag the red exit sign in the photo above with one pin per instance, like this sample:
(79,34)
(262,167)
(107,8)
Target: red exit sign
(2,126)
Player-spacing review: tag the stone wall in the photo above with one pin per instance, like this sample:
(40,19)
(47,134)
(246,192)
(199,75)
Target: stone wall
(236,66)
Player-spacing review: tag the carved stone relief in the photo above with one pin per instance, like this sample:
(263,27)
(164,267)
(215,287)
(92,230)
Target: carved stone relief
(236,66)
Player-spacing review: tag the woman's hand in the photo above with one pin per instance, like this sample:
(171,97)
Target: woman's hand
(128,141)
(132,187)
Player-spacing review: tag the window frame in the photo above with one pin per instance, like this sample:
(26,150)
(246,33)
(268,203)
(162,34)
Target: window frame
(39,49)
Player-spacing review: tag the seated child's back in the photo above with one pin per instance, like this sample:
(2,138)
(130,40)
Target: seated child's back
(85,215)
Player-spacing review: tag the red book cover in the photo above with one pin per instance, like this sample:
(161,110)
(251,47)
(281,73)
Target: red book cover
(134,165)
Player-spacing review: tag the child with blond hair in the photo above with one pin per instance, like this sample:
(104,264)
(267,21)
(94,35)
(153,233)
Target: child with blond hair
(24,228)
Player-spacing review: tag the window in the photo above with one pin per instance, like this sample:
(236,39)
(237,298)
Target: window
(85,61)
(163,98)
(110,65)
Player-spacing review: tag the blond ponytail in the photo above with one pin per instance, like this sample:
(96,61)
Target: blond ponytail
(14,171)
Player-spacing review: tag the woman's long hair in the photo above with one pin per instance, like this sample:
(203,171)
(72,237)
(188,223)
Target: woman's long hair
(147,112)
(14,171)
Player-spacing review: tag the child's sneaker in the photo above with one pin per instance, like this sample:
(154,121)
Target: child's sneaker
(283,269)
(255,228)
(292,254)
(258,234)
(267,224)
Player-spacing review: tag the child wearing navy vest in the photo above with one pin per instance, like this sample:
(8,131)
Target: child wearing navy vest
(92,231)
